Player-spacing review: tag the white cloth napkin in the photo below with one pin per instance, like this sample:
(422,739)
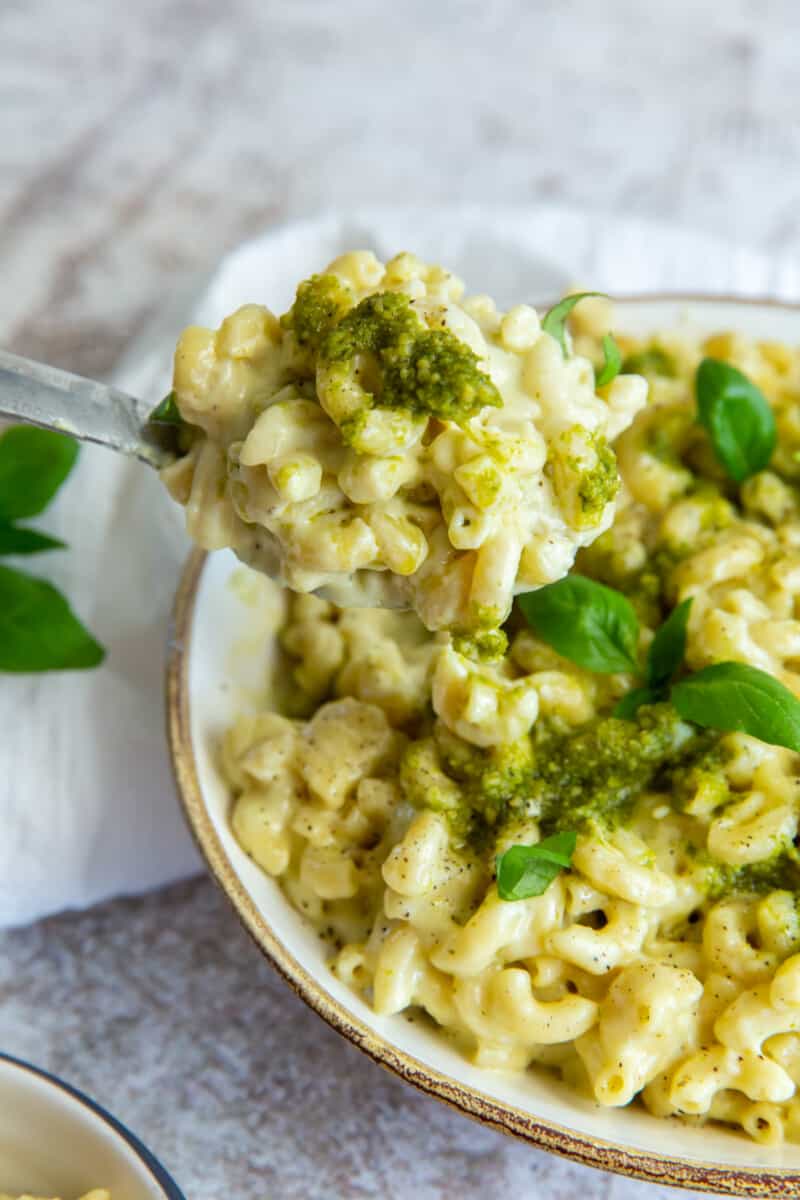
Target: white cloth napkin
(86,793)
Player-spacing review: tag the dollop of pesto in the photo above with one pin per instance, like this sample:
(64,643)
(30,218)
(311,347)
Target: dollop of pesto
(421,370)
(475,788)
(320,303)
(599,485)
(483,645)
(598,771)
(565,779)
(491,778)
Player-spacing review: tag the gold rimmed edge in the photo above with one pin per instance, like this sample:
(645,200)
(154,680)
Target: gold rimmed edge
(704,298)
(761,1182)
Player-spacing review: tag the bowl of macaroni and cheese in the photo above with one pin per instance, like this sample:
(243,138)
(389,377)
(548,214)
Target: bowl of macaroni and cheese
(523,828)
(56,1142)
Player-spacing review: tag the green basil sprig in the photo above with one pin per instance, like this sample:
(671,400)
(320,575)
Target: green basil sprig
(554,322)
(33,465)
(738,698)
(38,630)
(555,319)
(627,707)
(596,627)
(525,871)
(737,416)
(167,411)
(588,623)
(663,660)
(668,647)
(18,539)
(612,362)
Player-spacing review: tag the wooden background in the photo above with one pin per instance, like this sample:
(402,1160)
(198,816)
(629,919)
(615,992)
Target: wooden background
(138,142)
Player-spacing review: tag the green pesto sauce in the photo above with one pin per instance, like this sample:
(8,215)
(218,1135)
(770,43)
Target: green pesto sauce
(485,645)
(666,439)
(563,779)
(485,617)
(781,873)
(493,782)
(598,486)
(320,303)
(652,360)
(701,779)
(419,369)
(597,772)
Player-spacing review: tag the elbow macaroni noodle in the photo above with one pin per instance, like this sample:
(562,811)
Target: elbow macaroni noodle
(664,966)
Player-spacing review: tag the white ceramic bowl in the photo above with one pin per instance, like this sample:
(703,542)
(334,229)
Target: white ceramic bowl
(54,1141)
(216,664)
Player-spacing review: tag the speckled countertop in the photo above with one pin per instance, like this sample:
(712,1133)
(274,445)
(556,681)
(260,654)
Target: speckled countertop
(138,141)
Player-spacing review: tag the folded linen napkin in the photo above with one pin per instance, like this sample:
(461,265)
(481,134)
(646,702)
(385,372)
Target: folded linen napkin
(86,796)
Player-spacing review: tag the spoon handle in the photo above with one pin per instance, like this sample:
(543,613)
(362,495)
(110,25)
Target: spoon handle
(85,409)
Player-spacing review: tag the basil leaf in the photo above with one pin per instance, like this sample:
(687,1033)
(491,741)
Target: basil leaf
(668,647)
(33,465)
(38,630)
(612,361)
(555,319)
(167,412)
(587,622)
(525,871)
(16,539)
(739,698)
(627,708)
(738,418)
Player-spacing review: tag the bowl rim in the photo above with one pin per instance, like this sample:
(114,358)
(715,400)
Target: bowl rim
(758,1181)
(160,1175)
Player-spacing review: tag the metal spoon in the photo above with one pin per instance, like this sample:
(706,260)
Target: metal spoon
(85,409)
(94,412)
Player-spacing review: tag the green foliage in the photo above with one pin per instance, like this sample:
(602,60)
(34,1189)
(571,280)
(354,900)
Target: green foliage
(38,630)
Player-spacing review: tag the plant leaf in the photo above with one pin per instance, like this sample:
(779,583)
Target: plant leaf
(555,319)
(627,708)
(167,412)
(38,630)
(612,361)
(33,465)
(587,622)
(525,871)
(736,697)
(16,539)
(668,647)
(737,416)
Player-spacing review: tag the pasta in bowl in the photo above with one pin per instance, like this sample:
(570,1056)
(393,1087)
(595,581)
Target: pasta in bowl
(644,965)
(55,1141)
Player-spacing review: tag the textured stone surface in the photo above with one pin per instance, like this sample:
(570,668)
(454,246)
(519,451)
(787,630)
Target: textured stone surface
(138,141)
